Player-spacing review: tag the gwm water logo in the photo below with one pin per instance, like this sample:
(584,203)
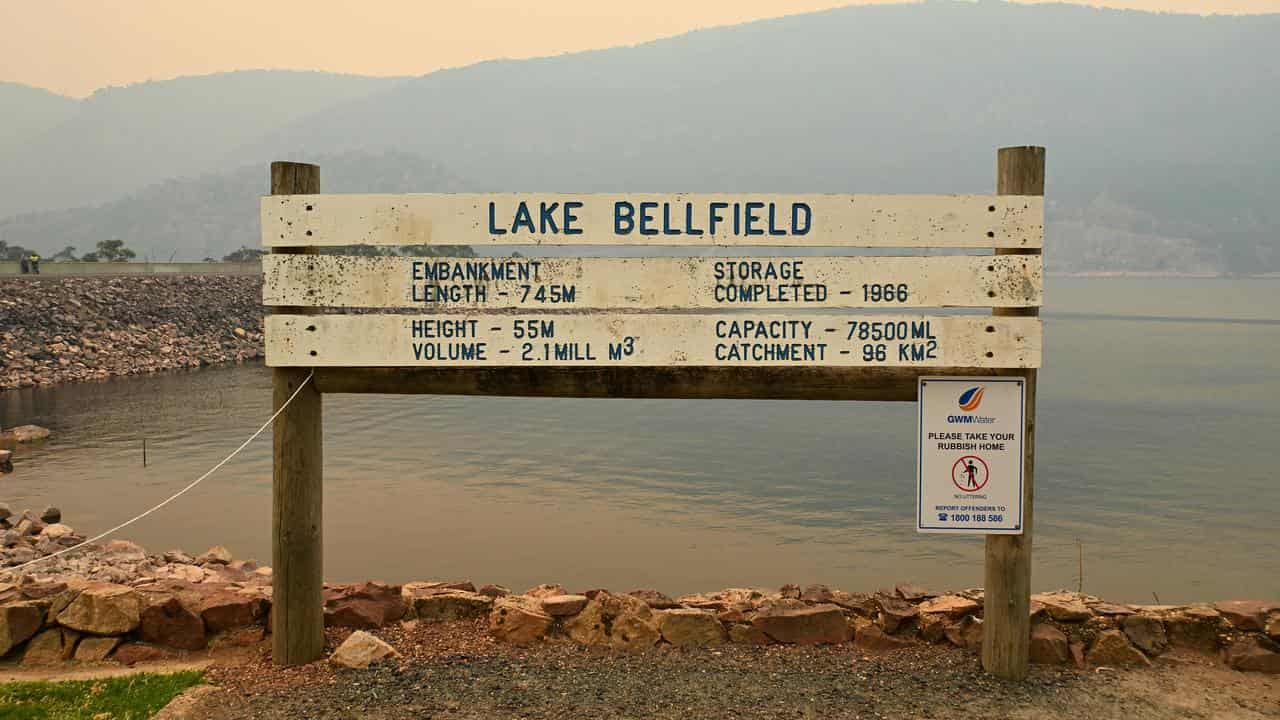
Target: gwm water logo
(969,401)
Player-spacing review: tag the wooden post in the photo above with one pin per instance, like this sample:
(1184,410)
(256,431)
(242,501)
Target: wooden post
(297,618)
(1006,628)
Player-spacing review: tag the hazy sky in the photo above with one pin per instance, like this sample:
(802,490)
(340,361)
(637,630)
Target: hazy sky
(76,46)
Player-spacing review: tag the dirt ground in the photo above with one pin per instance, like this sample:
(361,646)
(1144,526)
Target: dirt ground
(456,672)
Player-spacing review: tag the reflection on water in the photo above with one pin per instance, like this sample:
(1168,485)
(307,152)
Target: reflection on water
(1156,451)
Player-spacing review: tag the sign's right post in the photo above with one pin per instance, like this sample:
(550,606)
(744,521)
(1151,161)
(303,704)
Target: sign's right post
(1006,629)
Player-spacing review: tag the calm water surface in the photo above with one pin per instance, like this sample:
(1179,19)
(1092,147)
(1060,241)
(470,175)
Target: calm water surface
(1159,450)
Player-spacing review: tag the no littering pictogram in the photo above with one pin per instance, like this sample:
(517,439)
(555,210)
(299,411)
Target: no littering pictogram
(970,473)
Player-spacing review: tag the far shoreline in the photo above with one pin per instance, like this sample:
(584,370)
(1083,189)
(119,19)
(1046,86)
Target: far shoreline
(1162,275)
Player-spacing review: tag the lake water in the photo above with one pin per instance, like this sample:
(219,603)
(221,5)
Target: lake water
(1159,447)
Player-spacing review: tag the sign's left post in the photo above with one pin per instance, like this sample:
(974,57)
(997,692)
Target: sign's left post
(297,615)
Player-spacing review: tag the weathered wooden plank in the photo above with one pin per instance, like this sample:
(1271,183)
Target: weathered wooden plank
(882,384)
(446,284)
(1007,568)
(297,486)
(971,221)
(651,340)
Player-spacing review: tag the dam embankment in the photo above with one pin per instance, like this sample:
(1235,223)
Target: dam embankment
(69,329)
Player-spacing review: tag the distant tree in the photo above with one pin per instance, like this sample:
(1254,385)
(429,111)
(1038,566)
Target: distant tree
(406,250)
(66,254)
(110,251)
(438,250)
(357,250)
(12,252)
(244,254)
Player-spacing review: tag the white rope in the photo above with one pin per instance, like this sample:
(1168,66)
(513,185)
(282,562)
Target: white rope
(175,496)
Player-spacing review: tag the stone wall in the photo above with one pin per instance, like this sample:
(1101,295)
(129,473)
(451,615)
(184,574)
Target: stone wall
(117,602)
(136,268)
(69,329)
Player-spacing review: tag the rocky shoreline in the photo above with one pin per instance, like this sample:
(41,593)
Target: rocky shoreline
(116,602)
(72,329)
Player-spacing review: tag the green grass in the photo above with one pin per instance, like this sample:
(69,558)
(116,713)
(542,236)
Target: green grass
(136,697)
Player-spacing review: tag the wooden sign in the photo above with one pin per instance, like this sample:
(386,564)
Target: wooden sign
(971,221)
(707,327)
(597,339)
(443,284)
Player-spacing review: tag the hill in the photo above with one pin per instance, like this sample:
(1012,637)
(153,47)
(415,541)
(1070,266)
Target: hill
(1170,117)
(28,111)
(1160,127)
(211,215)
(121,139)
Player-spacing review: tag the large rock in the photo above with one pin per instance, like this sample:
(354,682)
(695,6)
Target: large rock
(103,609)
(132,653)
(216,555)
(1273,627)
(817,594)
(59,602)
(441,605)
(1106,608)
(815,625)
(1245,614)
(25,434)
(96,649)
(545,590)
(1049,646)
(564,605)
(894,612)
(933,628)
(186,573)
(690,627)
(654,599)
(949,605)
(1147,633)
(56,531)
(518,620)
(618,605)
(724,599)
(494,591)
(1193,630)
(859,603)
(870,637)
(1063,606)
(124,551)
(745,634)
(1112,648)
(18,621)
(51,514)
(178,557)
(51,646)
(361,650)
(430,586)
(1254,655)
(168,622)
(967,633)
(588,626)
(633,632)
(230,609)
(363,606)
(912,592)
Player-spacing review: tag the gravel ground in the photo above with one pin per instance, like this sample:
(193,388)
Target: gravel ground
(454,671)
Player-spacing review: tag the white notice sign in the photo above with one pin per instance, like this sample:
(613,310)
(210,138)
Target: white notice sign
(970,457)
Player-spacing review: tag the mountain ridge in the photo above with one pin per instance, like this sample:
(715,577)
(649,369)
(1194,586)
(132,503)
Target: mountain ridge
(1160,129)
